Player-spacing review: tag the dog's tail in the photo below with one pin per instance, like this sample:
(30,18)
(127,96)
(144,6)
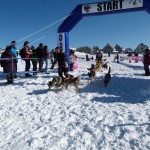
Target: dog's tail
(109,70)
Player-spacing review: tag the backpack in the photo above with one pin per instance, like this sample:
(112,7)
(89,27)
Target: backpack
(22,53)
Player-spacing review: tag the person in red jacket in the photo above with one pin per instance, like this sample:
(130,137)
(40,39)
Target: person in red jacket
(146,62)
(27,56)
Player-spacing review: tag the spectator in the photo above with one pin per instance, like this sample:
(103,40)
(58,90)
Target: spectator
(87,57)
(34,61)
(146,62)
(9,66)
(14,50)
(108,54)
(39,51)
(117,57)
(52,57)
(27,56)
(55,59)
(46,58)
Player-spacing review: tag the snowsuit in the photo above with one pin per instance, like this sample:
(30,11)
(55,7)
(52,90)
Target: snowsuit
(99,57)
(62,64)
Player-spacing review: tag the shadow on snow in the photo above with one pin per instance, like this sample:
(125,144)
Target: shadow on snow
(120,89)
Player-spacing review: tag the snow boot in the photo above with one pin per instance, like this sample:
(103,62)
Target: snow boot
(10,78)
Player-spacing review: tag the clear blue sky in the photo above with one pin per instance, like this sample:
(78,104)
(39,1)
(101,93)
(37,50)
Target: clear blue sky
(19,18)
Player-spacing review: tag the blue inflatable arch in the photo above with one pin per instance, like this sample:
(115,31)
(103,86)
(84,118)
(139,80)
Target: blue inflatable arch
(93,9)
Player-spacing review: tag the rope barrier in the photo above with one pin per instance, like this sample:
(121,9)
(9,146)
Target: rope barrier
(22,72)
(21,58)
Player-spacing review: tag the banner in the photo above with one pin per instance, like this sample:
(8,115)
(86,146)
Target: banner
(111,6)
(135,58)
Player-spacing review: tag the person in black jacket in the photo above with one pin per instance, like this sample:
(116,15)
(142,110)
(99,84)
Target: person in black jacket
(9,65)
(39,51)
(62,62)
(34,61)
(146,62)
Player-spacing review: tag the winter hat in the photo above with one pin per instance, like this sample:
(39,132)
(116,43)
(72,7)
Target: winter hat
(41,45)
(8,48)
(58,48)
(13,42)
(25,43)
(45,47)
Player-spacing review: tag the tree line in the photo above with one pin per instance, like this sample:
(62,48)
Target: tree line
(87,49)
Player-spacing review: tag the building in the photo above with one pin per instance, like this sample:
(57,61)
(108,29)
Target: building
(141,48)
(74,49)
(108,48)
(129,50)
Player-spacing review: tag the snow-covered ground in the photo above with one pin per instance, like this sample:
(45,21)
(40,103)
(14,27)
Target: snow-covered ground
(116,117)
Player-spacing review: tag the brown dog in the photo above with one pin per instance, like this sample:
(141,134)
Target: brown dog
(62,82)
(56,82)
(92,72)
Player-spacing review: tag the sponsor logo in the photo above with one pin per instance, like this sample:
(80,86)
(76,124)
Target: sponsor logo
(87,8)
(60,37)
(134,2)
(61,40)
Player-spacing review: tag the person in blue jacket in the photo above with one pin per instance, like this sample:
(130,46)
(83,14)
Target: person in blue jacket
(14,51)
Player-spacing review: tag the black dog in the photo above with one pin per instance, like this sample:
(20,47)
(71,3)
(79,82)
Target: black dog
(107,78)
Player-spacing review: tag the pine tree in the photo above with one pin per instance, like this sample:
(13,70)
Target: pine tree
(84,49)
(95,48)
